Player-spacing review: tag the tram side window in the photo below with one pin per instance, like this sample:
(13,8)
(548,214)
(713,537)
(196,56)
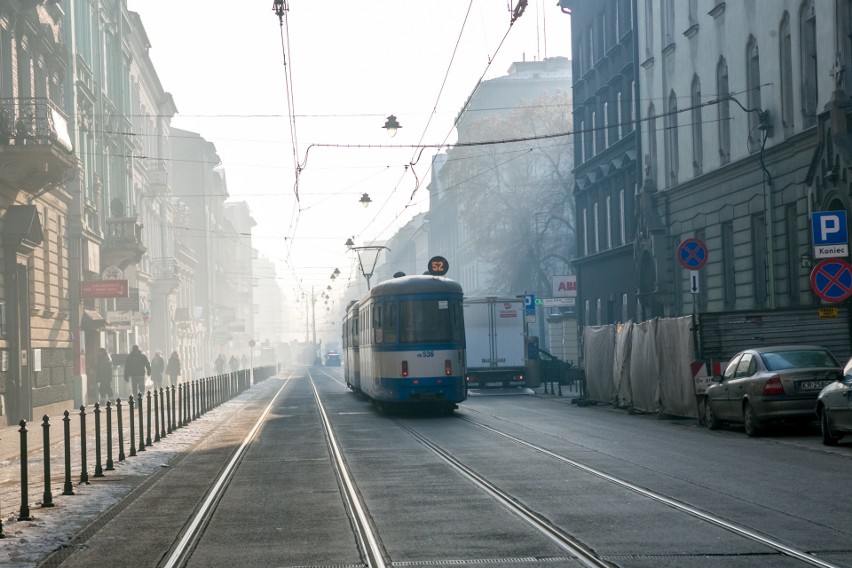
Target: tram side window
(389,322)
(355,332)
(424,321)
(377,324)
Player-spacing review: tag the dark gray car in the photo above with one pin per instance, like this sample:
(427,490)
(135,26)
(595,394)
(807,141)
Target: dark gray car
(834,408)
(769,384)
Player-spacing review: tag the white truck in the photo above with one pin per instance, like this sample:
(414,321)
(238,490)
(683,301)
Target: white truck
(496,349)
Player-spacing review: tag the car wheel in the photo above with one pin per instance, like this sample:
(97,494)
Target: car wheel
(827,437)
(752,424)
(710,419)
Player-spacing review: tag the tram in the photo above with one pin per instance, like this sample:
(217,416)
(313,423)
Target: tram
(404,343)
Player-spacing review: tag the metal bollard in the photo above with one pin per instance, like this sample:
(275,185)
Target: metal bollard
(84,474)
(163,412)
(109,464)
(156,415)
(172,415)
(130,403)
(99,470)
(148,414)
(69,487)
(24,515)
(120,430)
(140,403)
(47,497)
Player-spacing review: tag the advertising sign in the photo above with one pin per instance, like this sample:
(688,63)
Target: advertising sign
(120,320)
(104,289)
(564,286)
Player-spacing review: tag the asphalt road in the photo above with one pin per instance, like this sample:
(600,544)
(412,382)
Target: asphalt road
(596,473)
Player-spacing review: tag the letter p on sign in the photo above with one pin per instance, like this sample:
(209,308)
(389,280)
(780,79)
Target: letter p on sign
(829,228)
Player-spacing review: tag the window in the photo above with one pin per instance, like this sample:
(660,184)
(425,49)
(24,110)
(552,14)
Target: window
(389,322)
(625,315)
(432,320)
(809,64)
(585,233)
(578,135)
(594,133)
(606,125)
(596,227)
(728,266)
(621,218)
(724,107)
(608,222)
(649,29)
(618,125)
(672,150)
(753,94)
(668,16)
(697,129)
(693,12)
(758,243)
(651,166)
(786,54)
(630,114)
(598,312)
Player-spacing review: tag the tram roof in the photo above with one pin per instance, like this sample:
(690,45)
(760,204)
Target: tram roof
(416,284)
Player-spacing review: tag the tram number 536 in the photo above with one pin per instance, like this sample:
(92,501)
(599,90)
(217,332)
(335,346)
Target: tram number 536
(425,354)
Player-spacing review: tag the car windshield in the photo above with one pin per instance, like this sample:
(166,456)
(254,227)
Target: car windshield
(798,358)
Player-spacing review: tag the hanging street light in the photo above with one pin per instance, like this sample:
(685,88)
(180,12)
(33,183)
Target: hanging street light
(349,243)
(391,125)
(365,200)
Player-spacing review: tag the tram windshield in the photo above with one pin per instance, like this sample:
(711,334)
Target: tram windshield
(429,321)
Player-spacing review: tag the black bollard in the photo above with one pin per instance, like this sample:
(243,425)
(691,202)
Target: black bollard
(69,487)
(148,400)
(120,430)
(99,470)
(24,515)
(84,474)
(163,412)
(172,415)
(140,403)
(130,402)
(109,464)
(156,415)
(47,497)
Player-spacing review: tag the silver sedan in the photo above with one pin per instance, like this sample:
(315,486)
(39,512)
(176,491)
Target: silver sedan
(834,408)
(769,384)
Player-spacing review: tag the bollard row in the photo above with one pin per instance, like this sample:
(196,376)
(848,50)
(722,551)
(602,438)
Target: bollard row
(170,408)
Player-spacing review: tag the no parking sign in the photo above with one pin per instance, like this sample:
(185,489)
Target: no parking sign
(831,280)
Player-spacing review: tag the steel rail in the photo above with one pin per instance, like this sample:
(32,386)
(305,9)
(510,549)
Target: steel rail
(673,503)
(585,555)
(368,539)
(182,551)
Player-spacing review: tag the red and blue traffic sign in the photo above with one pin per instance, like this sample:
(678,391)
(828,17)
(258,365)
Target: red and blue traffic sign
(831,280)
(692,254)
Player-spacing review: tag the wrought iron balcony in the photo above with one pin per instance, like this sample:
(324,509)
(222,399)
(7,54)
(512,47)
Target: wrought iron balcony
(166,273)
(122,244)
(37,149)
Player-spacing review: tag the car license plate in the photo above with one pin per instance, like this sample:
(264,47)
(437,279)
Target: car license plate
(813,385)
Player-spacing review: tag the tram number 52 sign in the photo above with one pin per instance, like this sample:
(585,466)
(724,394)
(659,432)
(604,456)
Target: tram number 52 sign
(831,280)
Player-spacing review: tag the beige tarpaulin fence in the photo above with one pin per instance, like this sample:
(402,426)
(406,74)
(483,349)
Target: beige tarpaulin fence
(644,366)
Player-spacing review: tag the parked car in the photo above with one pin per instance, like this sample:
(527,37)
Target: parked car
(770,384)
(834,408)
(332,359)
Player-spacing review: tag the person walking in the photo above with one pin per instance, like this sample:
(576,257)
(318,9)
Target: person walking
(233,364)
(103,366)
(173,368)
(157,368)
(219,364)
(135,368)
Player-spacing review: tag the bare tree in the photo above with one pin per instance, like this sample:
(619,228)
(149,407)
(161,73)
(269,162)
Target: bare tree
(512,179)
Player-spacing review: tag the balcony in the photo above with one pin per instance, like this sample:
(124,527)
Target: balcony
(35,147)
(166,273)
(122,244)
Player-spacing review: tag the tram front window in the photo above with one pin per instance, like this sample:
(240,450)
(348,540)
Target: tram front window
(429,321)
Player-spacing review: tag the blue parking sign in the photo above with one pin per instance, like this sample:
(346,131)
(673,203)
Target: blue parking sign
(529,305)
(829,228)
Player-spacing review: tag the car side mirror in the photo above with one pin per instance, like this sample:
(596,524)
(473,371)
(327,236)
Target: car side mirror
(716,378)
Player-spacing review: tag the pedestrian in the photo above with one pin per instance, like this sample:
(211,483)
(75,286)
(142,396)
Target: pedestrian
(173,368)
(244,361)
(233,364)
(135,368)
(157,368)
(219,364)
(103,366)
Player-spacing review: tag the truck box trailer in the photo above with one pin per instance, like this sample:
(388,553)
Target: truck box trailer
(496,351)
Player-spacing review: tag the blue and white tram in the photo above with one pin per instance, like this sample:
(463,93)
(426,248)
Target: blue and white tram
(351,364)
(410,339)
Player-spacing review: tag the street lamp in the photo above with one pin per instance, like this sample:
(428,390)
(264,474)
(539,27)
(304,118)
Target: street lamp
(391,125)
(368,253)
(365,200)
(349,243)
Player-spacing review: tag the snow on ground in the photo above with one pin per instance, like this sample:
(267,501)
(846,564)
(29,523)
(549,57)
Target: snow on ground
(29,542)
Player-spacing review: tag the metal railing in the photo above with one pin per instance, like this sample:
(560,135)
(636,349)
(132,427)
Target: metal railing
(33,121)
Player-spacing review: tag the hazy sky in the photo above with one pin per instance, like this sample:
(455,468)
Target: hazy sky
(351,64)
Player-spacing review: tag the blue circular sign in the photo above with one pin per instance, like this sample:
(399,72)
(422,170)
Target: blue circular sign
(692,254)
(831,280)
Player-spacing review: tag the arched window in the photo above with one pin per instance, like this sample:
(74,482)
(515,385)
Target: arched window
(672,153)
(697,130)
(786,55)
(724,107)
(807,21)
(651,166)
(753,93)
